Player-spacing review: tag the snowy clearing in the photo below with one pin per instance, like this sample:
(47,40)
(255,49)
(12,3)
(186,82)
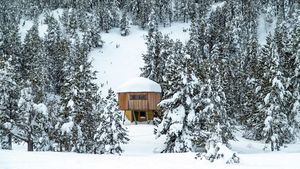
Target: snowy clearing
(139,153)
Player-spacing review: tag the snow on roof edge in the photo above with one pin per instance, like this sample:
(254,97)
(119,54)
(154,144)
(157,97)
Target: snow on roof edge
(139,84)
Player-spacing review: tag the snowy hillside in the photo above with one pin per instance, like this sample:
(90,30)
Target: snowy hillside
(120,59)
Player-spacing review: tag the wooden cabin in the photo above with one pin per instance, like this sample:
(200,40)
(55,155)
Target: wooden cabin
(138,98)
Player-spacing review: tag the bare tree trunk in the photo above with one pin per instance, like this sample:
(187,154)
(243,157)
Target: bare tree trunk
(29,143)
(9,141)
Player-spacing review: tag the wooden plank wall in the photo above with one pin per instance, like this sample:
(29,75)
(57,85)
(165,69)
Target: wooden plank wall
(150,104)
(123,101)
(153,100)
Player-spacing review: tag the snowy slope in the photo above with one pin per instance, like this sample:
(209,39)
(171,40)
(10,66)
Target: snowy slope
(121,57)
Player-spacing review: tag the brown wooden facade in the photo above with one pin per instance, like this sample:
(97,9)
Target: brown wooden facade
(148,101)
(139,106)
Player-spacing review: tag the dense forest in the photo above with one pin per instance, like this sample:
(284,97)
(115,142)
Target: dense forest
(221,80)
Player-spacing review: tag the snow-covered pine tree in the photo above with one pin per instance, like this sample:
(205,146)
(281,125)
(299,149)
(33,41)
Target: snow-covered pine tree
(254,121)
(251,76)
(295,80)
(167,49)
(171,76)
(140,11)
(163,10)
(8,105)
(153,61)
(276,129)
(56,48)
(124,24)
(110,134)
(10,43)
(253,73)
(88,99)
(29,128)
(195,45)
(78,102)
(212,130)
(92,38)
(108,14)
(179,112)
(181,12)
(32,63)
(69,99)
(71,21)
(211,124)
(82,17)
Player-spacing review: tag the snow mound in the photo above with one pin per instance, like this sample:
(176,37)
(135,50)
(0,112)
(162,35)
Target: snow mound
(67,127)
(139,84)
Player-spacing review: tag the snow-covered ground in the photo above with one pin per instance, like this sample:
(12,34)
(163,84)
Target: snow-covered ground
(139,153)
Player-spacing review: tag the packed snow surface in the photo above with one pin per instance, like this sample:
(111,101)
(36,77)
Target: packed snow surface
(141,152)
(139,84)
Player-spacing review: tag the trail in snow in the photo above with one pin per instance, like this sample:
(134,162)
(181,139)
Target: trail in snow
(142,141)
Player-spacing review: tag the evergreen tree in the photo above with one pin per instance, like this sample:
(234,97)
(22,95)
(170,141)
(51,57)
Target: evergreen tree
(32,117)
(78,101)
(140,11)
(163,10)
(72,22)
(124,24)
(153,62)
(53,62)
(33,64)
(271,121)
(295,113)
(181,12)
(110,134)
(276,127)
(178,113)
(8,106)
(171,77)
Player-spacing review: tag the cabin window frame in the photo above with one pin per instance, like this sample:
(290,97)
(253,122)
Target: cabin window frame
(138,97)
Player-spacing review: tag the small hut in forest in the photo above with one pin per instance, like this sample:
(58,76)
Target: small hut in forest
(138,98)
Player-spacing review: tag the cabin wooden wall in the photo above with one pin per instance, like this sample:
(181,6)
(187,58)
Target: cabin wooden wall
(123,101)
(149,104)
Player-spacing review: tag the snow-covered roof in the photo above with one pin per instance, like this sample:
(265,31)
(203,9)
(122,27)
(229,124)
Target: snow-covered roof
(139,84)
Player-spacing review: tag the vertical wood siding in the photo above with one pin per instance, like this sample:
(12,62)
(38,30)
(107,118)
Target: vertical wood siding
(150,104)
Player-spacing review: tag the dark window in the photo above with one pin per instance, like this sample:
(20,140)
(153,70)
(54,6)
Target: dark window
(138,97)
(142,114)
